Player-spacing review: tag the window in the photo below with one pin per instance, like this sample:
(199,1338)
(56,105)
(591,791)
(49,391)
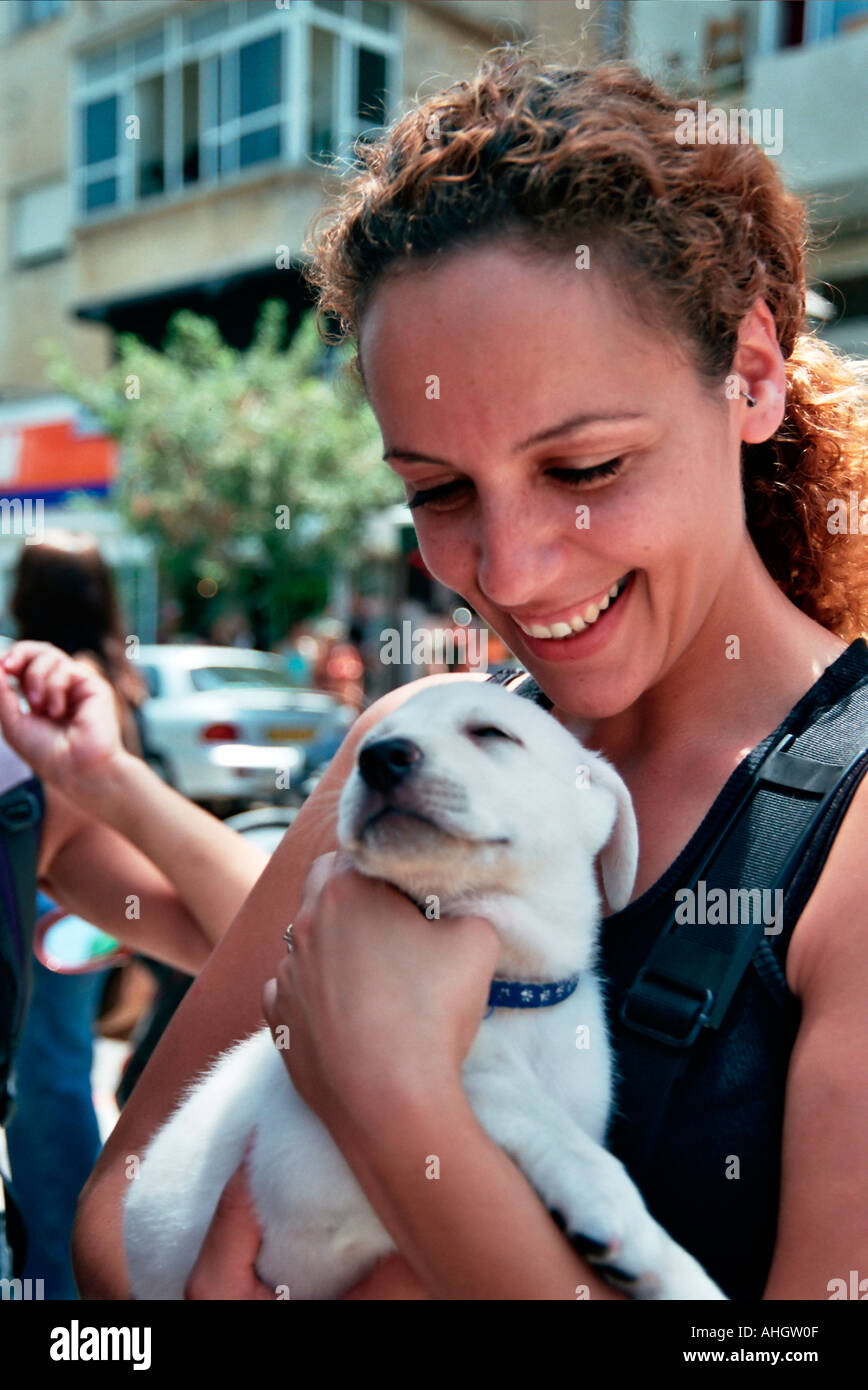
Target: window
(239,677)
(99,143)
(377,13)
(33,12)
(213,95)
(151,676)
(260,75)
(340,114)
(323,85)
(150,166)
(613,29)
(244,105)
(190,122)
(40,223)
(371,86)
(833,17)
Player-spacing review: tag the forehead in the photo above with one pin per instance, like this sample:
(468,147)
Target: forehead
(501,330)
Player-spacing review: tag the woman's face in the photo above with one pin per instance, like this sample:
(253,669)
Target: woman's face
(502,386)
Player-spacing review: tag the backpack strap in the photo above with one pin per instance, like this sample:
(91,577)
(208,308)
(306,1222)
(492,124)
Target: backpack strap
(791,802)
(22,808)
(528,688)
(21,812)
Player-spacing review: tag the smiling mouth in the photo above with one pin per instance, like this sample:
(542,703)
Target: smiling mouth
(581,619)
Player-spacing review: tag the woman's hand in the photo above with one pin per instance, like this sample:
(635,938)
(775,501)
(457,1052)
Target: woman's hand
(225,1269)
(71,730)
(375,1001)
(392,1279)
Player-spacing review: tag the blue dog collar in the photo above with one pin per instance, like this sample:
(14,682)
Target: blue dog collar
(513,994)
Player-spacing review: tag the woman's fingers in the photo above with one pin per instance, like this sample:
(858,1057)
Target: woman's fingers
(269,1000)
(46,675)
(11,717)
(59,684)
(225,1269)
(318,875)
(22,652)
(392,1278)
(37,675)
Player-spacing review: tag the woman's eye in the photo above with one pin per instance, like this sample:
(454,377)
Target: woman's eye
(423,497)
(581,476)
(449,494)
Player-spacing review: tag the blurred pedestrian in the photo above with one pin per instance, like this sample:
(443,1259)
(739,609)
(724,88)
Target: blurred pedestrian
(300,651)
(64,594)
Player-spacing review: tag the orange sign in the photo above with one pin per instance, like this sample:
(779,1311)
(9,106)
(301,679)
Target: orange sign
(52,452)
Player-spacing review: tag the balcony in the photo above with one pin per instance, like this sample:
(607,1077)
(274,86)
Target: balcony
(821,91)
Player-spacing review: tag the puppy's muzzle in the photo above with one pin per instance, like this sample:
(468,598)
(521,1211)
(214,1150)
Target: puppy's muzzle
(384,765)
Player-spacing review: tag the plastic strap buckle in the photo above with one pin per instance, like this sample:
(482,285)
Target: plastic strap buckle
(667,1014)
(20,812)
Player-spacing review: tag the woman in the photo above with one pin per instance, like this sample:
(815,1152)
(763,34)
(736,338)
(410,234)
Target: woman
(582,341)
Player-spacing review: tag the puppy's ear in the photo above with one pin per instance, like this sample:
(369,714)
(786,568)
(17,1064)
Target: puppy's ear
(619,858)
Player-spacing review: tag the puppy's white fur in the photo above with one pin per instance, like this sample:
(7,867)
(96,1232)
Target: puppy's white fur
(505,824)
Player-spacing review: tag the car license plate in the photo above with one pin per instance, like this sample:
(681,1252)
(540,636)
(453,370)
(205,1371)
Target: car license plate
(296,735)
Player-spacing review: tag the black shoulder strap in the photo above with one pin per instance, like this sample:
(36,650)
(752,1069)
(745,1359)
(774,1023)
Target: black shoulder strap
(799,790)
(21,813)
(528,689)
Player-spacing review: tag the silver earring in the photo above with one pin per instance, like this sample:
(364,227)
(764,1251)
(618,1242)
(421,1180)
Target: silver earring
(751,400)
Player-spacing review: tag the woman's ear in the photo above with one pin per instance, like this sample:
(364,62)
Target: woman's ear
(619,857)
(759,363)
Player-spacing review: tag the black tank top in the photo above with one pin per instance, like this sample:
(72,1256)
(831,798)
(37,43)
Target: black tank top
(729,1104)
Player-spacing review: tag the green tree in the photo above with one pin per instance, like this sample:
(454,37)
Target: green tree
(253,470)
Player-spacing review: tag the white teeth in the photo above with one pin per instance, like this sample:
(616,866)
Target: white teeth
(577,623)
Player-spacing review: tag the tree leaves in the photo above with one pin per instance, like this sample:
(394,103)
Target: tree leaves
(216,440)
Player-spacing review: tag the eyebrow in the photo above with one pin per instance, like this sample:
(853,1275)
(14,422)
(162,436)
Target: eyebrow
(575,422)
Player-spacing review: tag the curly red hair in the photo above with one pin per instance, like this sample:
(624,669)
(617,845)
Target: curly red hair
(698,233)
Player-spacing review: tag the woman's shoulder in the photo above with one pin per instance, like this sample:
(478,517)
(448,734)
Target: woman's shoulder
(831,934)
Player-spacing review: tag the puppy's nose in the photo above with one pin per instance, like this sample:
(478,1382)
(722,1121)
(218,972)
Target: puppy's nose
(386,763)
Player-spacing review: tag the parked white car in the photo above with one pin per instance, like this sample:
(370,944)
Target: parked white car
(222,722)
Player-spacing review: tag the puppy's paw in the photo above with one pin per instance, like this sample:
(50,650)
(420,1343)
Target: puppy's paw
(683,1277)
(602,1214)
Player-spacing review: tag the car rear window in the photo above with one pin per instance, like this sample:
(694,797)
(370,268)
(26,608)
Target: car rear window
(239,677)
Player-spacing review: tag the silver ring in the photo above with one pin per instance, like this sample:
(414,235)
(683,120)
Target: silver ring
(287,936)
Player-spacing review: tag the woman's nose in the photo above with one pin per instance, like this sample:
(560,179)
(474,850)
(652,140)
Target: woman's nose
(516,557)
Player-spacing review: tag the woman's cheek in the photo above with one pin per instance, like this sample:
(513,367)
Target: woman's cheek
(445,544)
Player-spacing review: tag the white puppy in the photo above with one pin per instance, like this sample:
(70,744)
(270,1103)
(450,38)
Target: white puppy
(471,800)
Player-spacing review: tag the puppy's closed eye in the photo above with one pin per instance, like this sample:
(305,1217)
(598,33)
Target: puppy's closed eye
(486,731)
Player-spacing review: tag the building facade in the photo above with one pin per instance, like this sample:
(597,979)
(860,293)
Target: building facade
(166,154)
(158,155)
(800,66)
